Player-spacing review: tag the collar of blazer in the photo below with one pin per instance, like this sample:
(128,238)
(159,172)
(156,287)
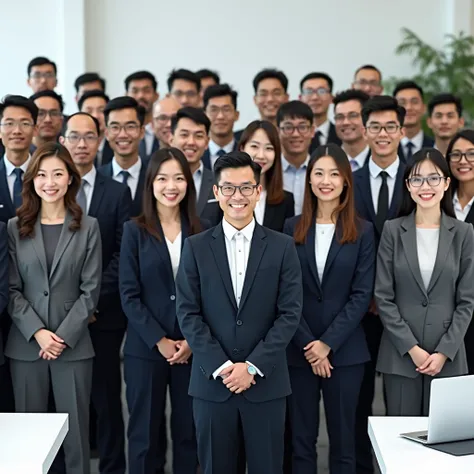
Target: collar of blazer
(64,239)
(408,238)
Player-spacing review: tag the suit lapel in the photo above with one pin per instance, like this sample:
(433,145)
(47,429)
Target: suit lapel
(332,254)
(206,185)
(470,216)
(365,191)
(310,246)
(38,245)
(64,239)
(141,182)
(271,211)
(97,194)
(206,159)
(4,189)
(220,255)
(397,192)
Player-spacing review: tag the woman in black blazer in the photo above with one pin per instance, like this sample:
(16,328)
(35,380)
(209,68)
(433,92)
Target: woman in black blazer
(260,140)
(460,156)
(155,354)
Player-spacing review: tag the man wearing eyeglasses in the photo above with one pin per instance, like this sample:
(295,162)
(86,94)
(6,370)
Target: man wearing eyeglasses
(50,117)
(378,192)
(296,130)
(368,79)
(124,120)
(184,86)
(316,91)
(220,105)
(163,113)
(42,74)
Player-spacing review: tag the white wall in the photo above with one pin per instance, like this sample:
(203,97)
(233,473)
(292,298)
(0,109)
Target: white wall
(116,37)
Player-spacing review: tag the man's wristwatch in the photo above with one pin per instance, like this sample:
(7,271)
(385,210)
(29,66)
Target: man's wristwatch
(251,370)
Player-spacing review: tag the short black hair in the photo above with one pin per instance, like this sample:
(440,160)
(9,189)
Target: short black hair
(19,101)
(382,103)
(294,109)
(124,102)
(270,74)
(317,75)
(401,86)
(40,61)
(202,73)
(371,67)
(89,94)
(192,113)
(96,122)
(351,94)
(236,159)
(445,98)
(52,94)
(220,90)
(88,77)
(139,76)
(185,75)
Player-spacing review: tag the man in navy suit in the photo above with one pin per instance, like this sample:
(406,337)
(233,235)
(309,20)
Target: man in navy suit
(124,119)
(220,105)
(109,202)
(410,95)
(378,191)
(238,302)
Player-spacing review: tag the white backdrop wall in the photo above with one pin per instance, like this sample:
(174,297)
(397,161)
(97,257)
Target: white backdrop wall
(116,37)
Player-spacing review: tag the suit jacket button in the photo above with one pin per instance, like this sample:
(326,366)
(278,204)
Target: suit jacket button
(172,297)
(425,303)
(320,299)
(239,322)
(45,293)
(235,351)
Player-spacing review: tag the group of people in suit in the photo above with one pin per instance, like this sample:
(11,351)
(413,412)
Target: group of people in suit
(248,272)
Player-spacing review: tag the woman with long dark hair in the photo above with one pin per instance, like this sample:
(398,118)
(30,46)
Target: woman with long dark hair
(423,288)
(329,350)
(55,273)
(155,354)
(460,157)
(260,140)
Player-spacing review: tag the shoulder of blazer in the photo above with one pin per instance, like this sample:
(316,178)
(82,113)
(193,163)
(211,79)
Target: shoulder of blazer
(89,222)
(457,224)
(288,198)
(12,225)
(365,226)
(292,221)
(106,170)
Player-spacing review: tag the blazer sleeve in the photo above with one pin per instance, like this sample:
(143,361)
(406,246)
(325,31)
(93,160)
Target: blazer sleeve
(3,268)
(453,338)
(361,293)
(289,307)
(77,319)
(138,315)
(397,328)
(23,315)
(188,308)
(110,276)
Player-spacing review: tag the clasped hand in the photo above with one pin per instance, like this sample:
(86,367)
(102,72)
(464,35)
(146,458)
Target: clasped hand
(175,352)
(52,346)
(236,377)
(426,363)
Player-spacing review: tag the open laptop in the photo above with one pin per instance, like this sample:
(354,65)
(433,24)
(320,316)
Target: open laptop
(451,415)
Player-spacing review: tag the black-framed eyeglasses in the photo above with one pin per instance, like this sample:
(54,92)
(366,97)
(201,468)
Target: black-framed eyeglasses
(456,156)
(288,129)
(320,91)
(351,117)
(418,181)
(245,189)
(130,128)
(74,139)
(376,128)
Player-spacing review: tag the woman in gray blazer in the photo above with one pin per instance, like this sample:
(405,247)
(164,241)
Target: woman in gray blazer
(423,288)
(55,271)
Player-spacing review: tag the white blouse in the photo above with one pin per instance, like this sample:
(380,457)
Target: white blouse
(174,249)
(260,207)
(324,236)
(427,249)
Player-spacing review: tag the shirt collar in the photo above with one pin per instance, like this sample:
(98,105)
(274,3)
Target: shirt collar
(199,171)
(417,140)
(10,167)
(323,128)
(149,129)
(392,170)
(457,204)
(89,177)
(286,164)
(133,170)
(230,230)
(214,147)
(361,157)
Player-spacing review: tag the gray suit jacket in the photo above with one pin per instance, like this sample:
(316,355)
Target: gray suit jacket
(435,319)
(61,302)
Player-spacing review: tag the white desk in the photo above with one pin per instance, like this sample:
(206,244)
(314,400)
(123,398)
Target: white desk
(397,455)
(30,441)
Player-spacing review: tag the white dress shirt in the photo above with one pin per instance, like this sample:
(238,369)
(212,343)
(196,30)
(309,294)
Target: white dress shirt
(149,138)
(11,176)
(417,141)
(324,235)
(376,180)
(174,249)
(237,244)
(427,249)
(197,178)
(294,180)
(260,207)
(324,135)
(461,213)
(134,174)
(360,158)
(89,182)
(214,148)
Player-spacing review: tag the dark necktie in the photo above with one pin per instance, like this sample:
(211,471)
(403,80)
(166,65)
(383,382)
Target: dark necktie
(17,187)
(81,197)
(317,139)
(125,176)
(410,146)
(382,203)
(220,153)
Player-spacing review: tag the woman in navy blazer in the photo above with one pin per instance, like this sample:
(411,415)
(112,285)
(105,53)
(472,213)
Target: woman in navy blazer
(155,354)
(329,350)
(260,140)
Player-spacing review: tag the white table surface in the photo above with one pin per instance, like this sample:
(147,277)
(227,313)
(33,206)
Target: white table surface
(396,455)
(30,441)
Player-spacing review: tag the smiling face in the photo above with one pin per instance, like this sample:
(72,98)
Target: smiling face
(17,129)
(169,186)
(413,102)
(52,180)
(268,98)
(317,94)
(261,150)
(295,135)
(327,182)
(348,121)
(445,121)
(143,92)
(382,143)
(463,170)
(192,139)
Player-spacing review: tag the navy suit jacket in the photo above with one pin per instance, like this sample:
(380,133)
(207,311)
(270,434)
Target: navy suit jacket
(258,331)
(334,307)
(110,205)
(3,280)
(276,214)
(7,210)
(136,208)
(206,157)
(428,142)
